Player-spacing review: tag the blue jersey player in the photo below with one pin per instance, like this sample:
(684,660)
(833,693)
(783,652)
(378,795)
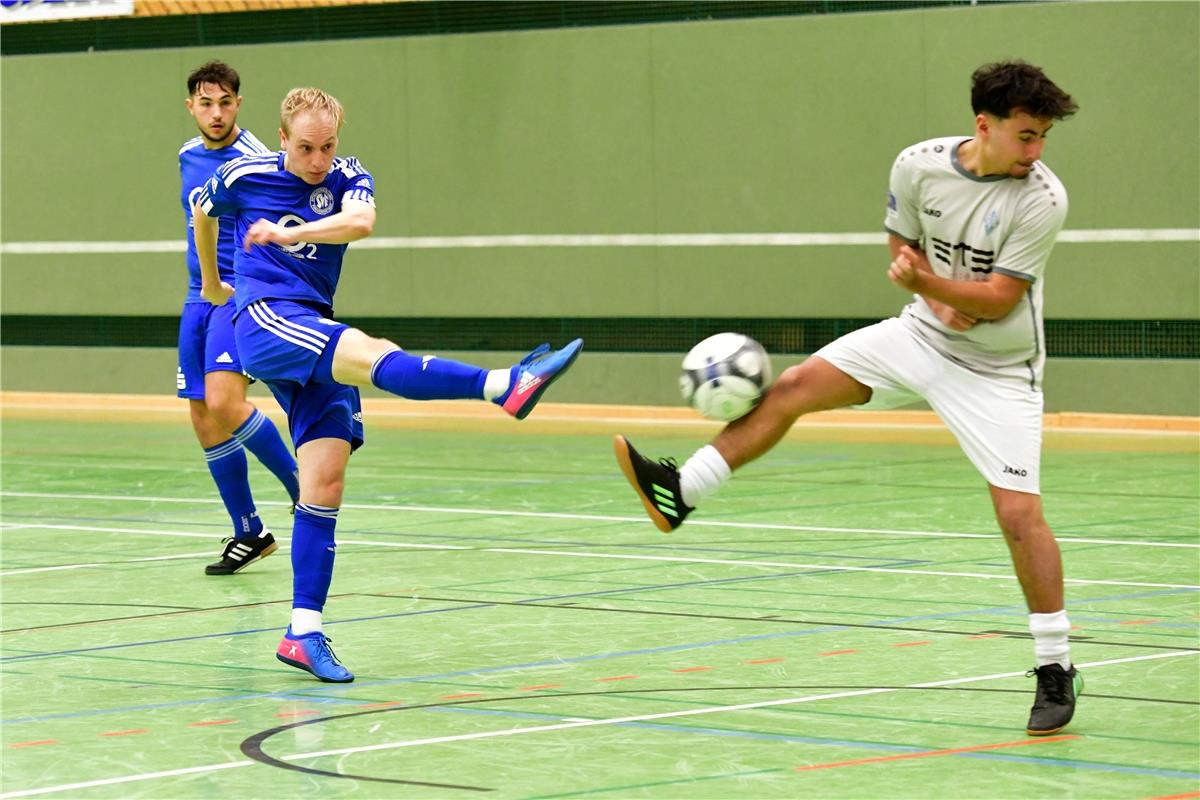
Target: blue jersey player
(210,373)
(294,213)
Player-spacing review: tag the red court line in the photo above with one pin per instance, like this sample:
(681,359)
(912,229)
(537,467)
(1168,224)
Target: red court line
(930,753)
(541,686)
(838,653)
(34,744)
(618,678)
(691,669)
(1139,622)
(460,696)
(1183,796)
(984,636)
(211,722)
(765,661)
(912,644)
(129,732)
(301,713)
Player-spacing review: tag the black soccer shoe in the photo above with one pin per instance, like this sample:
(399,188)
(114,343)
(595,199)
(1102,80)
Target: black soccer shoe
(657,484)
(1054,704)
(241,553)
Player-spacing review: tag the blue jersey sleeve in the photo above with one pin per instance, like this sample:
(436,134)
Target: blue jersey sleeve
(217,198)
(357,183)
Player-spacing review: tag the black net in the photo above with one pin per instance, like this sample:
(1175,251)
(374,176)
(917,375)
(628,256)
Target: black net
(1065,338)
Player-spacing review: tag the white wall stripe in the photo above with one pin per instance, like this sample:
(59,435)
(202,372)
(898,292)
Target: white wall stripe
(1126,235)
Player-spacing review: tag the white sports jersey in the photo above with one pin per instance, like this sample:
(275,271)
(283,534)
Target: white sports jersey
(969,227)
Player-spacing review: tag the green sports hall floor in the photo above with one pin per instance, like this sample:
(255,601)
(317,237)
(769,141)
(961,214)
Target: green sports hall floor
(840,621)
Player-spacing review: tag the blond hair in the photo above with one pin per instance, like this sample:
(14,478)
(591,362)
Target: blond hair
(308,98)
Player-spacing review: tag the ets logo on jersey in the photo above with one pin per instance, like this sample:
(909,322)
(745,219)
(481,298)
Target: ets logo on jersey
(321,200)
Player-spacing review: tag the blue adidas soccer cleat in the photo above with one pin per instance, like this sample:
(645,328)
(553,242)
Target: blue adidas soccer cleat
(311,653)
(533,376)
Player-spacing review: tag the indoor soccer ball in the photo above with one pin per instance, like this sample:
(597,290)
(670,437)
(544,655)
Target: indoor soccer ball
(725,375)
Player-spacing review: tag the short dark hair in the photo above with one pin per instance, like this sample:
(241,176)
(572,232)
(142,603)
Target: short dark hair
(1002,87)
(217,72)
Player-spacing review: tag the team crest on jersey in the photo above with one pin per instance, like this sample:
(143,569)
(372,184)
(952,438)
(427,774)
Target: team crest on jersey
(321,200)
(991,221)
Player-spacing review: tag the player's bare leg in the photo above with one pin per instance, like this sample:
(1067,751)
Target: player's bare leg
(669,494)
(814,385)
(1038,565)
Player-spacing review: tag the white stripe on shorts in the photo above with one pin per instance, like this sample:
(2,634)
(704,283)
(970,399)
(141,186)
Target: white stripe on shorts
(270,326)
(312,334)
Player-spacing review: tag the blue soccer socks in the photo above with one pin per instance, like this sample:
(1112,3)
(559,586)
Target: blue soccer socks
(259,435)
(427,377)
(227,463)
(313,550)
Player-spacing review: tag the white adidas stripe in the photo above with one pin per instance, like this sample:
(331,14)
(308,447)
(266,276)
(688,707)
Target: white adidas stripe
(316,336)
(270,327)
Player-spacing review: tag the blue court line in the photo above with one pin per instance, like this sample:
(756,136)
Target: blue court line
(455,674)
(861,745)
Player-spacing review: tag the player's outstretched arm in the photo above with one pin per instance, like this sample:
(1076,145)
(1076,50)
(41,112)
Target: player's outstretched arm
(355,221)
(205,230)
(989,299)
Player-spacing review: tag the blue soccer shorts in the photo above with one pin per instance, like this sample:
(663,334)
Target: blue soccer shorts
(289,346)
(206,344)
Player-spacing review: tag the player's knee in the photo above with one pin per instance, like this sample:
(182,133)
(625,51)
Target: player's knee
(1021,521)
(228,411)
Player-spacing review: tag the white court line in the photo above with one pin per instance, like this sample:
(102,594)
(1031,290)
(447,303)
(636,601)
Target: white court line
(495,512)
(567,725)
(621,557)
(779,239)
(284,541)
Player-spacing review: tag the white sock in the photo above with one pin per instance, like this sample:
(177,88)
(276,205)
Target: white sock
(305,620)
(1050,638)
(702,475)
(496,383)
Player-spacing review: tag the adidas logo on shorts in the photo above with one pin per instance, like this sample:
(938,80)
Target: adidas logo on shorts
(225,358)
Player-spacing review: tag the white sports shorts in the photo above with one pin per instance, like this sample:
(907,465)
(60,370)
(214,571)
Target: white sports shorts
(997,421)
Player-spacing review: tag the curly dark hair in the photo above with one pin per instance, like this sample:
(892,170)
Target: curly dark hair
(1005,86)
(217,72)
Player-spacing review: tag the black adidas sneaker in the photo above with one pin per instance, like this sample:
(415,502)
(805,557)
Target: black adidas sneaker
(657,484)
(241,553)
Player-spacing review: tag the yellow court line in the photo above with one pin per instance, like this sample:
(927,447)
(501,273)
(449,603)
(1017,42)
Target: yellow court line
(65,405)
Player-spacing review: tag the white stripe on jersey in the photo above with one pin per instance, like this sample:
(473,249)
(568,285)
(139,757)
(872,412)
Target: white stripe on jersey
(286,329)
(349,166)
(247,165)
(249,144)
(189,144)
(361,195)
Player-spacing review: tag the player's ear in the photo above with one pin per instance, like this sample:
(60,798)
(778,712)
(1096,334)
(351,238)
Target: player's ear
(282,139)
(983,124)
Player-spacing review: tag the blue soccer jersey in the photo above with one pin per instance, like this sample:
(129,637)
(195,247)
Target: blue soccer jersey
(196,164)
(258,187)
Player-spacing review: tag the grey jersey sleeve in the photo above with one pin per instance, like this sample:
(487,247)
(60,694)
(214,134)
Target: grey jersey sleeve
(902,218)
(1027,249)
